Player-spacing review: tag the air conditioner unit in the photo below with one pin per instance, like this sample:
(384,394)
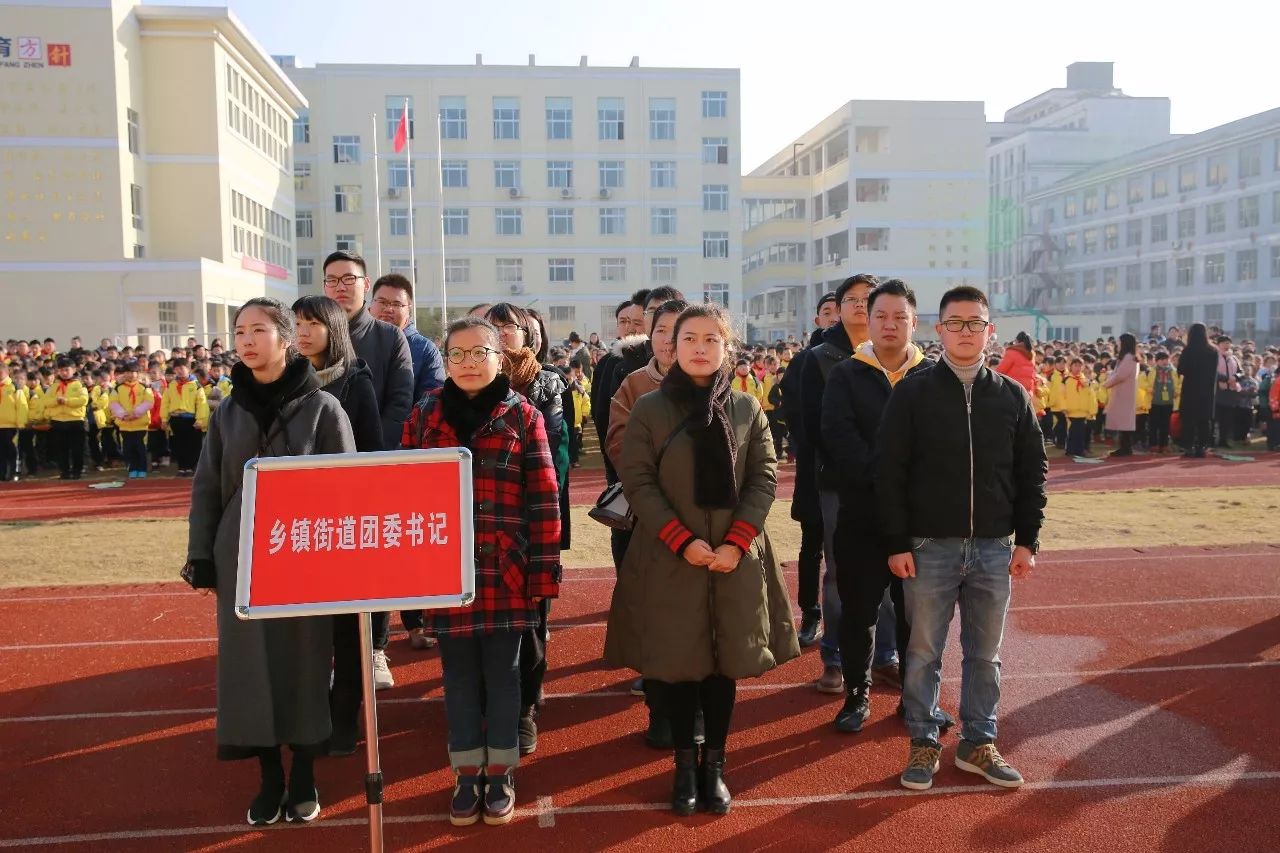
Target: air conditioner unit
(514,192)
(517,288)
(566,192)
(604,192)
(393,192)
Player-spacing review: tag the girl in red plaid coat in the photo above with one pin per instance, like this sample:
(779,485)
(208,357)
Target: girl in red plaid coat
(517,547)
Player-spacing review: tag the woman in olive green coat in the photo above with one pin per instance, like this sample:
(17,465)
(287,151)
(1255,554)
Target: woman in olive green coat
(700,600)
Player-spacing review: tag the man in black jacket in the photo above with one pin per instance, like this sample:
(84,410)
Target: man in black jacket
(961,492)
(630,318)
(837,345)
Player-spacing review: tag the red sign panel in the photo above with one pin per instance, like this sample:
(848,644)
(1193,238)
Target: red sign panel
(356,532)
(59,55)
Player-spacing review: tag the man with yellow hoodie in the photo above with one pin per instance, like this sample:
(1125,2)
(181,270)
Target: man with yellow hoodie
(131,408)
(1080,403)
(185,410)
(13,417)
(66,404)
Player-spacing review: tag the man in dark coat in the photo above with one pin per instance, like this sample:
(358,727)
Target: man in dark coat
(630,318)
(1198,366)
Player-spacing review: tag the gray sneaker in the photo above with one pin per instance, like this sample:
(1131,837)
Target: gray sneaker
(381,671)
(921,765)
(985,760)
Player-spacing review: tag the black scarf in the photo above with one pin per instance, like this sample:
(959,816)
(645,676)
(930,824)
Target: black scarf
(265,400)
(467,414)
(715,445)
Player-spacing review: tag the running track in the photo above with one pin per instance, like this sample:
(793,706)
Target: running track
(1139,700)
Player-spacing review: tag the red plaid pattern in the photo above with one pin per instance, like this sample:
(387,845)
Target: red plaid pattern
(517,514)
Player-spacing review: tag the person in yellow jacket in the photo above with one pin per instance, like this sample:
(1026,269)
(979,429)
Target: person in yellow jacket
(66,406)
(580,391)
(131,410)
(32,447)
(1079,404)
(13,418)
(1142,420)
(1103,393)
(1162,386)
(102,429)
(1056,380)
(745,381)
(185,411)
(772,405)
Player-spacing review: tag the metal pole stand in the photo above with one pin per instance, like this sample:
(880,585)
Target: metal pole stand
(373,777)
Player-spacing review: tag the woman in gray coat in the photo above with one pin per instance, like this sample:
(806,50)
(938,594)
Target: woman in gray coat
(1122,403)
(273,674)
(700,600)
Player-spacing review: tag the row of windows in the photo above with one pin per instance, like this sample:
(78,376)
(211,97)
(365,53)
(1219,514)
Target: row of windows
(715,150)
(611,124)
(507,271)
(759,211)
(260,232)
(1246,317)
(1247,214)
(1213,269)
(252,115)
(778,253)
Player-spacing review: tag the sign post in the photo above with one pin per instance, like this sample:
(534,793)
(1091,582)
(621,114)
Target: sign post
(357,533)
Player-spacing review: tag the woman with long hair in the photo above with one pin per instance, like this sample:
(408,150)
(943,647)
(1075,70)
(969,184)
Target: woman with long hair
(700,600)
(1198,366)
(1122,395)
(273,674)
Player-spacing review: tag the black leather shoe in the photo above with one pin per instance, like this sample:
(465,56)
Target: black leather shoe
(856,710)
(659,734)
(713,794)
(684,787)
(810,629)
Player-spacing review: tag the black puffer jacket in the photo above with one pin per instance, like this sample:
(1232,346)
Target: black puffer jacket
(354,390)
(835,348)
(804,505)
(945,472)
(546,393)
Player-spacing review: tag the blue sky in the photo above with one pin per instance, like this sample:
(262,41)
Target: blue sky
(801,61)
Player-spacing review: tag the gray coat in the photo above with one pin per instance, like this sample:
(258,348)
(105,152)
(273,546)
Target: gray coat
(273,674)
(672,621)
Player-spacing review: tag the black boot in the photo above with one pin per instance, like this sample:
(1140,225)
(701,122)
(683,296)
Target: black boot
(699,728)
(684,787)
(713,794)
(659,734)
(856,710)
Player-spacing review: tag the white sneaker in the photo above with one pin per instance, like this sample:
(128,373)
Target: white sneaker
(381,672)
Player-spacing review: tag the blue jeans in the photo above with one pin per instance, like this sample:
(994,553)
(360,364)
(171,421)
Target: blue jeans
(886,634)
(975,573)
(829,647)
(482,698)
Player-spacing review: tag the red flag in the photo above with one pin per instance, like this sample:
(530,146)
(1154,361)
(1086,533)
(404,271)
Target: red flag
(402,132)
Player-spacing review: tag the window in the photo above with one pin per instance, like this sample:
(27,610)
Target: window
(1250,165)
(401,266)
(1135,190)
(399,175)
(508,222)
(506,118)
(715,149)
(613,220)
(346,242)
(662,174)
(1215,218)
(715,244)
(1215,171)
(560,173)
(509,270)
(1069,244)
(1248,210)
(1159,184)
(453,173)
(1109,276)
(1185,270)
(559,118)
(1090,202)
(560,269)
(1069,207)
(457,271)
(399,221)
(1133,233)
(1111,196)
(1275,264)
(1213,314)
(715,197)
(1089,281)
(871,190)
(559,220)
(1247,319)
(871,240)
(1089,241)
(1275,207)
(871,140)
(716,292)
(457,221)
(1111,237)
(453,117)
(1215,268)
(1160,228)
(562,314)
(612,173)
(306,272)
(1159,272)
(301,176)
(135,131)
(1184,315)
(1186,177)
(1186,223)
(662,118)
(662,270)
(613,269)
(715,104)
(609,117)
(302,127)
(1247,265)
(394,110)
(303,225)
(346,149)
(662,221)
(506,174)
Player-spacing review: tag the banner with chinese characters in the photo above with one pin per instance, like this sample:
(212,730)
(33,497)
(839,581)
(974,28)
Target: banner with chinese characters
(356,532)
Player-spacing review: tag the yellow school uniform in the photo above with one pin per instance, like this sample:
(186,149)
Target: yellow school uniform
(132,399)
(100,405)
(1055,392)
(75,405)
(13,405)
(1079,401)
(187,397)
(749,385)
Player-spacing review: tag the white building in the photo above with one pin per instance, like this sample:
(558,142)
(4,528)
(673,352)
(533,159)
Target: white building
(565,188)
(893,188)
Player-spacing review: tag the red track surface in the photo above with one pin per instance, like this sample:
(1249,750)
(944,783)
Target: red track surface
(1139,701)
(165,497)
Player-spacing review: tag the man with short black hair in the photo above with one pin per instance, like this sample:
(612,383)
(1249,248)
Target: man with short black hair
(392,303)
(578,354)
(960,488)
(630,319)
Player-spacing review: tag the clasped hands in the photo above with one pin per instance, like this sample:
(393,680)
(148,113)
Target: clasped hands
(723,559)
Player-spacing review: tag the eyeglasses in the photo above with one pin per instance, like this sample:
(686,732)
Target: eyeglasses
(853,300)
(510,329)
(348,280)
(458,355)
(382,303)
(974,326)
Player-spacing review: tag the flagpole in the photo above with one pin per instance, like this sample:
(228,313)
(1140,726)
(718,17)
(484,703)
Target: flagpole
(377,202)
(444,286)
(413,257)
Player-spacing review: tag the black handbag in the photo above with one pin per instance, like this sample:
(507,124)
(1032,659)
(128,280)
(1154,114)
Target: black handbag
(612,508)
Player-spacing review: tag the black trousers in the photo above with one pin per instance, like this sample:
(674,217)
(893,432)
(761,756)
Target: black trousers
(575,444)
(135,450)
(103,447)
(346,695)
(810,566)
(862,574)
(1158,426)
(27,451)
(157,445)
(1225,419)
(533,659)
(68,446)
(186,443)
(1141,428)
(1197,434)
(778,430)
(1060,429)
(1243,423)
(8,453)
(618,542)
(680,701)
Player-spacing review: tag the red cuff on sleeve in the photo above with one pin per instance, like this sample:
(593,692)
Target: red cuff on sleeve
(742,535)
(675,536)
